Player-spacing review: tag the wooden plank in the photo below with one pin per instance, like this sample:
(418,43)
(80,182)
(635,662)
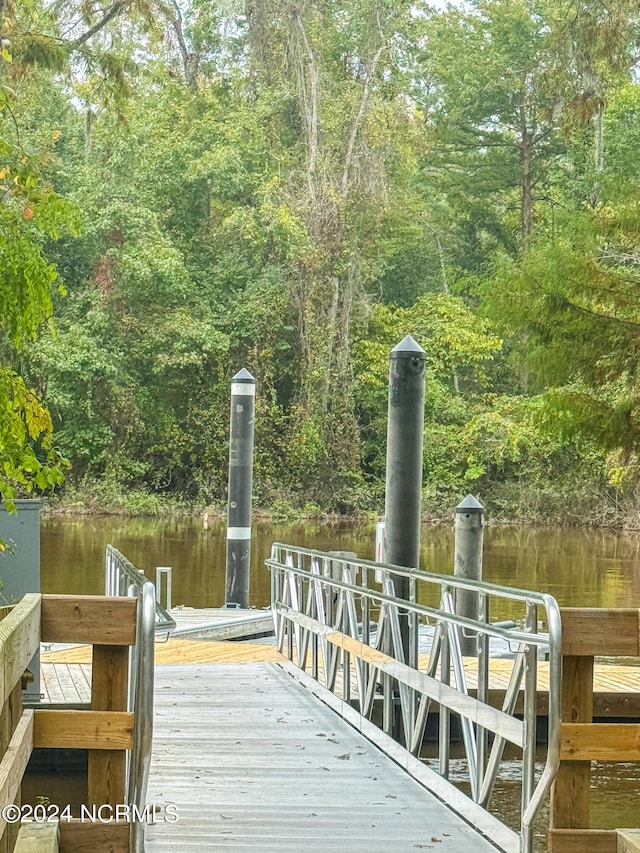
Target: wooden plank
(88,619)
(14,763)
(600,742)
(11,718)
(570,794)
(587,841)
(109,692)
(491,718)
(86,671)
(87,837)
(83,729)
(79,679)
(590,632)
(36,837)
(19,641)
(69,689)
(49,678)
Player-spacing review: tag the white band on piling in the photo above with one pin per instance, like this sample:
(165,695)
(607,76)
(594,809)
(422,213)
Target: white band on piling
(238,533)
(246,389)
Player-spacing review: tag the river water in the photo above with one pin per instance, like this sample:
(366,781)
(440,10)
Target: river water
(579,567)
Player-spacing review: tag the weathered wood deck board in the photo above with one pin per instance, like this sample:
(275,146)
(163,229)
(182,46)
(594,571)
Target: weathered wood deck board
(617,688)
(254,762)
(62,683)
(180,651)
(49,683)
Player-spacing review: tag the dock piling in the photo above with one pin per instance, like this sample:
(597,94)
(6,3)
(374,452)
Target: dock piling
(243,390)
(404,465)
(469,533)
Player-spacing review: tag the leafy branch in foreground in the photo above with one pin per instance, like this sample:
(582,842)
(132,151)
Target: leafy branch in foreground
(31,213)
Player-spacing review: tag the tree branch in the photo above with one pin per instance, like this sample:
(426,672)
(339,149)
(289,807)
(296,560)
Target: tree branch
(174,15)
(358,117)
(117,7)
(311,108)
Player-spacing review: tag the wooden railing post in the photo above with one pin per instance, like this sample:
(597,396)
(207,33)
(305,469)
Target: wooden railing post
(11,714)
(109,692)
(106,731)
(585,634)
(570,795)
(19,641)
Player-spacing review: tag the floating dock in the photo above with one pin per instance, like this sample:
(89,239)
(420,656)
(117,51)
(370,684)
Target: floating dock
(66,674)
(221,623)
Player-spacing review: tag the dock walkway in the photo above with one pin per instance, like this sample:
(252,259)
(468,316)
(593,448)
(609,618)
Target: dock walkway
(253,761)
(66,674)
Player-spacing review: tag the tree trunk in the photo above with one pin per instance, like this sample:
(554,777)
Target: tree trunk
(526,157)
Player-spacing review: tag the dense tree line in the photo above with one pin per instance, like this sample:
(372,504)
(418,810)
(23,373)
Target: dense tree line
(193,187)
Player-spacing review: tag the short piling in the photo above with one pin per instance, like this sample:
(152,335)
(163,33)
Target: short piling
(243,389)
(469,531)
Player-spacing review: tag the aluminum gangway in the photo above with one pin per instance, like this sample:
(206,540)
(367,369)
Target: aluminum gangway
(324,750)
(398,661)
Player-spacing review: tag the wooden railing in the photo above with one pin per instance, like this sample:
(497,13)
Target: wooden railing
(106,730)
(585,634)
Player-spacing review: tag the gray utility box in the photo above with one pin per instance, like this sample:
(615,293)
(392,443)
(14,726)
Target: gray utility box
(20,567)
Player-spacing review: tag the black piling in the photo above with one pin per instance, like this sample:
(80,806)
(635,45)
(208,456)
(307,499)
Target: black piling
(243,389)
(404,465)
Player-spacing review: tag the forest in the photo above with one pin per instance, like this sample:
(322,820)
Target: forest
(189,187)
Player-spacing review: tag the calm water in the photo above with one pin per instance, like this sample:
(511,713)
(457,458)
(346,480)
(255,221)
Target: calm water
(578,567)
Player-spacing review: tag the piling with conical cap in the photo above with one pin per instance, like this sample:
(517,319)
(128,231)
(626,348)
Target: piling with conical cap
(469,533)
(405,430)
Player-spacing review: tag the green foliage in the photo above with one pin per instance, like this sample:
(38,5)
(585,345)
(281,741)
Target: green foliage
(293,190)
(31,214)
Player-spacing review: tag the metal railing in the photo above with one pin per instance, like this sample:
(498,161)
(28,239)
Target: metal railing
(120,574)
(122,578)
(141,671)
(323,607)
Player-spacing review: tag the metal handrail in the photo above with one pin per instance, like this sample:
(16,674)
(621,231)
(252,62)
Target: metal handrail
(315,597)
(141,699)
(120,574)
(122,578)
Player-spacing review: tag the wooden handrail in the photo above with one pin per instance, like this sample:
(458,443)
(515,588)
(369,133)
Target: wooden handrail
(585,634)
(109,625)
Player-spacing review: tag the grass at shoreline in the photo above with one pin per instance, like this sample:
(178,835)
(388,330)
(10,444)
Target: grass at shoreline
(513,504)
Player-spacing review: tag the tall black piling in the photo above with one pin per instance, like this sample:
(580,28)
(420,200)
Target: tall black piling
(243,390)
(404,466)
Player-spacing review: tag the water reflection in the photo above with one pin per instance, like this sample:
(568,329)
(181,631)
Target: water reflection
(579,567)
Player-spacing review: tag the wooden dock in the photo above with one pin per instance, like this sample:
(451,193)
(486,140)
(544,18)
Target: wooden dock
(271,768)
(221,623)
(66,674)
(253,761)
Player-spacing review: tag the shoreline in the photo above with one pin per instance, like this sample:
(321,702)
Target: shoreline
(623,521)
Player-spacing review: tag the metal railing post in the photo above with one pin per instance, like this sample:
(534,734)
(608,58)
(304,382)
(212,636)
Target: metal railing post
(166,572)
(140,759)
